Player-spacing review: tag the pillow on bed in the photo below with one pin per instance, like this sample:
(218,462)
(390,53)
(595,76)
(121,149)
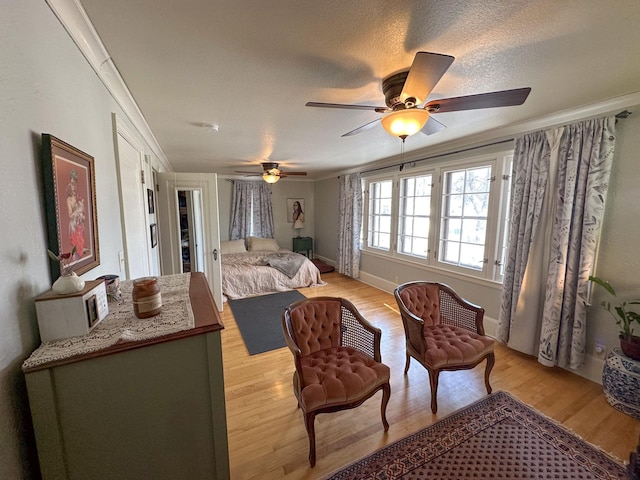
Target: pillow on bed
(232,246)
(257,243)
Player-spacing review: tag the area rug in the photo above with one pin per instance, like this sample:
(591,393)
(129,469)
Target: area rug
(497,437)
(260,319)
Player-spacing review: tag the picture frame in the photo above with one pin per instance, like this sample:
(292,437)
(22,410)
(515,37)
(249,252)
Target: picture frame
(150,201)
(291,209)
(92,310)
(70,205)
(154,234)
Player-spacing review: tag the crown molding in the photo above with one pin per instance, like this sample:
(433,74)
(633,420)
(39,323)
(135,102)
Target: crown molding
(74,19)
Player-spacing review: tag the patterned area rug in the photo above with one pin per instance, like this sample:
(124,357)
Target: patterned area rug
(497,437)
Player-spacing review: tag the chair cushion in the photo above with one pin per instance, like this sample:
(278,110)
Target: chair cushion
(338,376)
(450,346)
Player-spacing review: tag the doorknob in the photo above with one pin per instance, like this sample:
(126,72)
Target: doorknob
(215,254)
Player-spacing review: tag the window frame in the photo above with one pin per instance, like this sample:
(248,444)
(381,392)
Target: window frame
(500,163)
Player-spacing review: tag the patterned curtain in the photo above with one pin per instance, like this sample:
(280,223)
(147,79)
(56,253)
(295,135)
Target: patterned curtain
(251,210)
(558,236)
(262,211)
(350,221)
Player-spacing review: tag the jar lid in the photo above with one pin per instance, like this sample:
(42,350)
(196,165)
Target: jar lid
(145,280)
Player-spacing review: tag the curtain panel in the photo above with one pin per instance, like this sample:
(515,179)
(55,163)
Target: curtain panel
(349,225)
(251,210)
(559,189)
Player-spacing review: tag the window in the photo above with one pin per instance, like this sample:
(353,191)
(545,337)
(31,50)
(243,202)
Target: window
(414,215)
(379,231)
(465,204)
(455,210)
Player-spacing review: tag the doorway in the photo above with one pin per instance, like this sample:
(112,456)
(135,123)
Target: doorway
(191,242)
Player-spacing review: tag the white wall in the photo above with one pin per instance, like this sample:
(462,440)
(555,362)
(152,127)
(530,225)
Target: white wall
(46,86)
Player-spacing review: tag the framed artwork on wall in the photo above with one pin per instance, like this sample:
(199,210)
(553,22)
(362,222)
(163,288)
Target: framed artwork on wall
(150,201)
(295,211)
(70,205)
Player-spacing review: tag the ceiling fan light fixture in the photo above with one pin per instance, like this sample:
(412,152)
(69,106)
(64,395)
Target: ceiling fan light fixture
(271,176)
(406,122)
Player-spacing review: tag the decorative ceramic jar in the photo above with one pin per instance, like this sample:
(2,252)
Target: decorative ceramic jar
(147,300)
(66,284)
(621,382)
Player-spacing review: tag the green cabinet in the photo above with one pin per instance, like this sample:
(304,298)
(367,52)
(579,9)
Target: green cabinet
(303,244)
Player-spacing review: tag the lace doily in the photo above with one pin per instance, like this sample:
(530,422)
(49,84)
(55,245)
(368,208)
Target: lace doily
(121,325)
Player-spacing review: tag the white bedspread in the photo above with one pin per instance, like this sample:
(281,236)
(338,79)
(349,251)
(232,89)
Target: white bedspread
(247,274)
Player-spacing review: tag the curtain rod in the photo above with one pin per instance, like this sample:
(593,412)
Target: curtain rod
(620,115)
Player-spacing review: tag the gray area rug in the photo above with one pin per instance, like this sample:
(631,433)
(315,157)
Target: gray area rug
(497,437)
(260,319)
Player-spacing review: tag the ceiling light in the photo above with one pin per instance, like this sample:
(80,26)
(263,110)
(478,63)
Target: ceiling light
(271,176)
(406,122)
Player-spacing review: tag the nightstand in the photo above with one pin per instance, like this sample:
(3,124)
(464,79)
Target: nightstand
(301,244)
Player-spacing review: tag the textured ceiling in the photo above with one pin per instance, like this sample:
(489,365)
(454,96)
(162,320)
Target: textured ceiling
(250,66)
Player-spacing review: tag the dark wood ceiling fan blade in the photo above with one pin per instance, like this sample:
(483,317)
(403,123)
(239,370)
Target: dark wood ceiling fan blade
(347,106)
(504,98)
(290,174)
(425,72)
(432,126)
(364,127)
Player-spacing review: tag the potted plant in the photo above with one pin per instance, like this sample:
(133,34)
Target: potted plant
(629,343)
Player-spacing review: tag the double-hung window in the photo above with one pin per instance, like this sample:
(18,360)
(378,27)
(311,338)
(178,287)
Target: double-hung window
(450,215)
(414,215)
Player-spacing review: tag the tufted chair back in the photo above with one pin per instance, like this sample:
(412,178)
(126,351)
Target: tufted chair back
(316,325)
(423,300)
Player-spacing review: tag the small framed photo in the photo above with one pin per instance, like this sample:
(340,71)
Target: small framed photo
(150,201)
(154,234)
(70,205)
(92,310)
(295,210)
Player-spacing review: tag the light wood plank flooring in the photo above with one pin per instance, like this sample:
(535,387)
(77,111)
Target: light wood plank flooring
(267,438)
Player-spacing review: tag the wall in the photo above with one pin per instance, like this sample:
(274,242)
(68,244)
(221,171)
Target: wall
(326,219)
(281,191)
(46,86)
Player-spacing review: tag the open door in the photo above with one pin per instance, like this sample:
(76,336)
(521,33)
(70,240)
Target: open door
(189,229)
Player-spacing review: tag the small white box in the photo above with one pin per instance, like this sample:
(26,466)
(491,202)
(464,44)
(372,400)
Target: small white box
(64,316)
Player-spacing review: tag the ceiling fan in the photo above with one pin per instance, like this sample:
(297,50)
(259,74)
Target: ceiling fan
(272,173)
(405,91)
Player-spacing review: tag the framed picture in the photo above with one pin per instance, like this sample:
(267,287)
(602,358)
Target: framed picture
(154,234)
(150,201)
(295,210)
(92,310)
(70,205)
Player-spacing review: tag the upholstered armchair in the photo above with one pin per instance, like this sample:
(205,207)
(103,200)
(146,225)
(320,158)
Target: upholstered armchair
(337,359)
(442,331)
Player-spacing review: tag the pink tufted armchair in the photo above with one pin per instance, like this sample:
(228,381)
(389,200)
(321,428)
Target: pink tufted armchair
(443,331)
(337,359)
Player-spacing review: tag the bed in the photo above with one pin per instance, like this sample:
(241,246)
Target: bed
(259,266)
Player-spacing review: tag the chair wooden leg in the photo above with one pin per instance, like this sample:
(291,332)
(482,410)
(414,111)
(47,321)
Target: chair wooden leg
(386,393)
(406,365)
(491,360)
(309,419)
(433,380)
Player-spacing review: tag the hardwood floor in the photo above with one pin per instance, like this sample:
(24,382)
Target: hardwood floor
(267,438)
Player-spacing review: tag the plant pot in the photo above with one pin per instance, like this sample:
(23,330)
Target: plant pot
(631,347)
(66,284)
